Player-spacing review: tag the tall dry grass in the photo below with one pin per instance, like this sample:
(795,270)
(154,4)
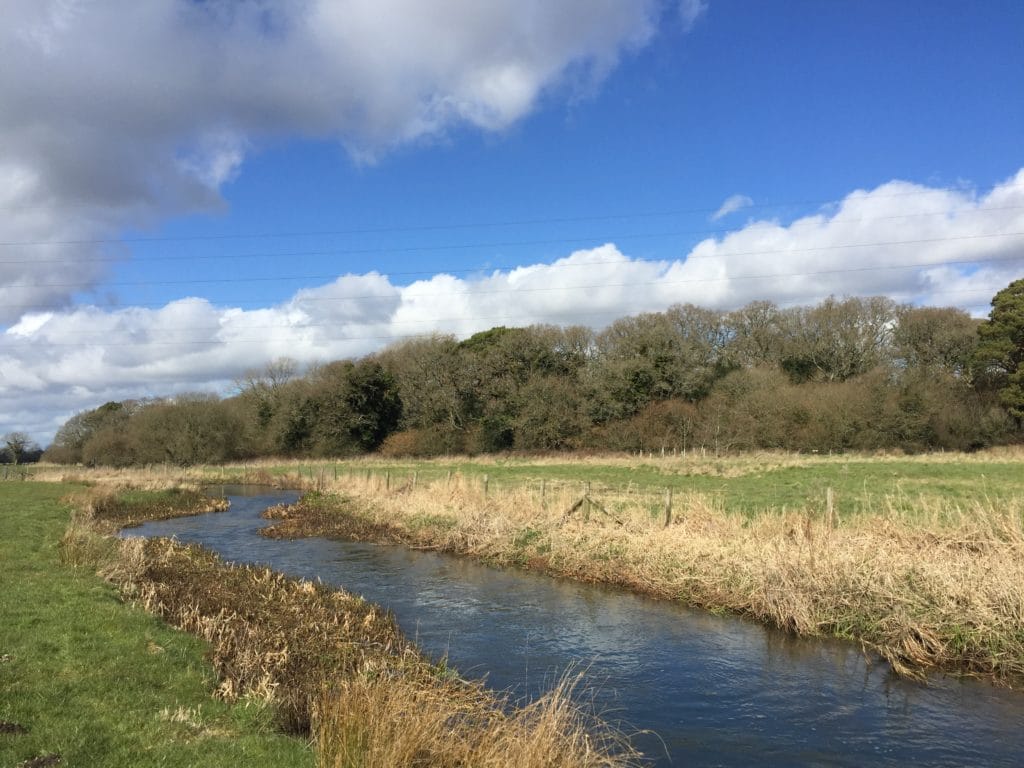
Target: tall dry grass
(926,583)
(314,473)
(373,723)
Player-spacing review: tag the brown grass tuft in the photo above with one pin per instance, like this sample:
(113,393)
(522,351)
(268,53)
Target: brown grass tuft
(379,723)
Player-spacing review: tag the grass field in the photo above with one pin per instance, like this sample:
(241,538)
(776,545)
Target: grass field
(101,683)
(745,484)
(748,484)
(918,557)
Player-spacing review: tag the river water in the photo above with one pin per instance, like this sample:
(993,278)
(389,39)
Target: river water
(693,689)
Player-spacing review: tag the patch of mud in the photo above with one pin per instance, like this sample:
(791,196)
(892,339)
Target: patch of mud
(43,761)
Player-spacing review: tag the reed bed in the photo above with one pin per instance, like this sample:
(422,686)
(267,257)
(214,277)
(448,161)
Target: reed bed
(327,662)
(372,725)
(928,584)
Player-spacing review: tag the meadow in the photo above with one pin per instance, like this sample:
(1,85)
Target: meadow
(743,483)
(917,558)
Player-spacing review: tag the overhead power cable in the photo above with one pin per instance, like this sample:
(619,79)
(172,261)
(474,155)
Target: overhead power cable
(395,229)
(363,251)
(724,255)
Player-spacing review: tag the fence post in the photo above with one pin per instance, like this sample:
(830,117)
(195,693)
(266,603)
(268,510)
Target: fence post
(668,507)
(487,482)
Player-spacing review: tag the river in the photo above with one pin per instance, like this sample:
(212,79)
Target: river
(693,689)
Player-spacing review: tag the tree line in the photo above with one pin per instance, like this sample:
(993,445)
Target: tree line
(845,374)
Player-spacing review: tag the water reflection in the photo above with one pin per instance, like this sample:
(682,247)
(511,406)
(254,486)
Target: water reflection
(716,690)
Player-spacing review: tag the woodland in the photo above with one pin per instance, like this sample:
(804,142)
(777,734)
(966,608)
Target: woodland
(850,374)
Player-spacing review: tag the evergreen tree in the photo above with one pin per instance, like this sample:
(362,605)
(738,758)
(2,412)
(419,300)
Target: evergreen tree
(999,358)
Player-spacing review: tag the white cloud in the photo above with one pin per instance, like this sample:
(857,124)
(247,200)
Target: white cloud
(690,12)
(883,241)
(119,114)
(731,204)
(946,247)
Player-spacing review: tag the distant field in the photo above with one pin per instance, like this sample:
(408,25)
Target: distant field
(746,484)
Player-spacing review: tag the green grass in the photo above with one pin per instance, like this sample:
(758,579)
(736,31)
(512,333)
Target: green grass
(745,484)
(98,682)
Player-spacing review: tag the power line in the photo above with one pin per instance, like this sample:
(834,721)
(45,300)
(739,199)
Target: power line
(448,227)
(334,276)
(461,246)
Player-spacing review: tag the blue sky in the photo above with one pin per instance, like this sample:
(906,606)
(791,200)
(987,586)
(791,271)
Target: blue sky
(793,107)
(194,195)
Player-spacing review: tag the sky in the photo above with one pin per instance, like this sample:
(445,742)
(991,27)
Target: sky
(191,189)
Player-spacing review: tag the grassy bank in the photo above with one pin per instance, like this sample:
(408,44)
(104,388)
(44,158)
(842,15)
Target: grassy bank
(99,683)
(930,580)
(286,655)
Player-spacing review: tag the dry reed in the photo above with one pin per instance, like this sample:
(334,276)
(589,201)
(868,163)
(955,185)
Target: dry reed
(935,588)
(372,725)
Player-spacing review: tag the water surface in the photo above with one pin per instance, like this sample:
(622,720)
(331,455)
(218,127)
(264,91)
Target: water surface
(701,689)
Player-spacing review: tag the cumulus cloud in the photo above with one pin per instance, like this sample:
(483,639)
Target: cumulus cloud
(731,204)
(120,114)
(914,243)
(917,244)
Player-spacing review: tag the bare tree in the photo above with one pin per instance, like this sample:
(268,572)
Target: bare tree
(270,378)
(17,444)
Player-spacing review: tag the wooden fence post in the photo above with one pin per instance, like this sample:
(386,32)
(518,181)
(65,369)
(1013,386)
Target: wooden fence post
(668,507)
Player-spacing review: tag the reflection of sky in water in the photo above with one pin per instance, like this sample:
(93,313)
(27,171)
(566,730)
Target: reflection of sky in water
(717,690)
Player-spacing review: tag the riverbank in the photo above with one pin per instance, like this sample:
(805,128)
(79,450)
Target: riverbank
(930,584)
(90,681)
(319,662)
